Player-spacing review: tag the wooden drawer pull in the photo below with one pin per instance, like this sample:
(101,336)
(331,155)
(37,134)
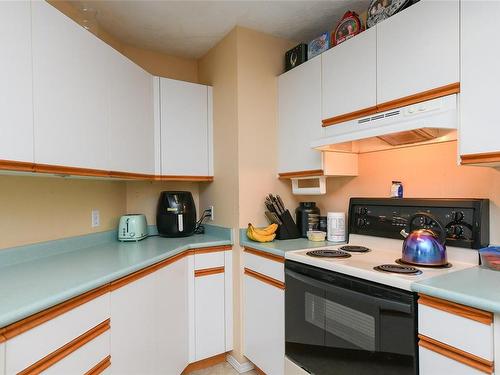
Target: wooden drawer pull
(265,255)
(208,271)
(66,350)
(100,367)
(456,354)
(480,316)
(265,279)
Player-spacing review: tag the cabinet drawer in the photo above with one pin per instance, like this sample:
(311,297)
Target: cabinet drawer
(24,350)
(267,264)
(433,363)
(94,355)
(461,327)
(204,260)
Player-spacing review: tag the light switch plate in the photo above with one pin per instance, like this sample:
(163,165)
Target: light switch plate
(96,218)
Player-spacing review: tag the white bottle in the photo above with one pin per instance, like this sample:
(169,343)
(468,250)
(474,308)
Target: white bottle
(336,226)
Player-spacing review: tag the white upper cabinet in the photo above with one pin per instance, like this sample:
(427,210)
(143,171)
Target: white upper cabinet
(418,49)
(16,107)
(349,75)
(131,123)
(299,112)
(185,128)
(479,130)
(70,84)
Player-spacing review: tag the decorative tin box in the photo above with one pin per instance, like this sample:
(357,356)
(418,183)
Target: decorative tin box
(296,56)
(348,26)
(318,45)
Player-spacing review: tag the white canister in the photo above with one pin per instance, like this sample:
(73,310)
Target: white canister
(336,226)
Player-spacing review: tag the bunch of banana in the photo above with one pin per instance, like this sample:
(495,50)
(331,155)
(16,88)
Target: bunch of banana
(262,234)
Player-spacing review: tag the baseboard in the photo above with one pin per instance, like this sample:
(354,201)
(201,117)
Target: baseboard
(239,367)
(204,363)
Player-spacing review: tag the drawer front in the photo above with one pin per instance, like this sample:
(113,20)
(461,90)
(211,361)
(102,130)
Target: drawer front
(462,333)
(268,267)
(83,359)
(432,363)
(31,346)
(208,260)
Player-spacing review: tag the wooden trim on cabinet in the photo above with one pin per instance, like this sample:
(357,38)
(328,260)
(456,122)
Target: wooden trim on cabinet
(66,350)
(204,363)
(208,271)
(455,354)
(265,279)
(259,371)
(423,96)
(35,320)
(300,174)
(21,166)
(213,249)
(2,337)
(100,367)
(263,254)
(184,178)
(145,271)
(131,176)
(70,171)
(467,312)
(486,157)
(349,116)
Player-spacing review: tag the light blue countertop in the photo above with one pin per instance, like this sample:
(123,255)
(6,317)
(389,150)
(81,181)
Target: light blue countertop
(36,277)
(280,247)
(476,287)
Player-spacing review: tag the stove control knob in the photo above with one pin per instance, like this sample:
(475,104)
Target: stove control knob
(458,216)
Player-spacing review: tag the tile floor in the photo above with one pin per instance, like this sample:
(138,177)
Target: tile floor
(220,369)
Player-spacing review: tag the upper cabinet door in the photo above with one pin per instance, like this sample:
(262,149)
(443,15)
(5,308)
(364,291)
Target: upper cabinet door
(415,55)
(70,84)
(185,133)
(299,112)
(349,76)
(131,124)
(479,126)
(16,106)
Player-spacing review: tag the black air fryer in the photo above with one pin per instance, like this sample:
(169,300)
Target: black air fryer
(176,214)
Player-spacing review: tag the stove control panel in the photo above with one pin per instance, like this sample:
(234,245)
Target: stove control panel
(466,221)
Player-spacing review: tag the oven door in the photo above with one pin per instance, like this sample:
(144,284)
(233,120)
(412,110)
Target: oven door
(337,324)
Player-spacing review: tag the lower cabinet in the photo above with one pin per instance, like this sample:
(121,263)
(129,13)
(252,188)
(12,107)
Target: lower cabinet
(77,339)
(264,312)
(454,339)
(209,317)
(149,323)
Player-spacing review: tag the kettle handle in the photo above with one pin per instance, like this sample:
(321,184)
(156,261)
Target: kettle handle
(442,229)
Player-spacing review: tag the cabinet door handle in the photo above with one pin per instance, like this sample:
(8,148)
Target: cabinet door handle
(455,354)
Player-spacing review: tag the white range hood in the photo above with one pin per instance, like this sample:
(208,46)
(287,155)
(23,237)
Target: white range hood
(430,121)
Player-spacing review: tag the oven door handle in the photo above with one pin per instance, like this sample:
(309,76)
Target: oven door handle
(382,303)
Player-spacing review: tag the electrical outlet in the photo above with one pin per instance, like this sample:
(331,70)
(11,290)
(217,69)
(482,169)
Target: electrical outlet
(211,213)
(96,218)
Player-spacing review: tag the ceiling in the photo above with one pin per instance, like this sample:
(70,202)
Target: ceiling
(190,28)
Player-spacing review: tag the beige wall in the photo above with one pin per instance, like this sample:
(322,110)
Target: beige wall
(142,196)
(260,61)
(426,171)
(35,209)
(242,69)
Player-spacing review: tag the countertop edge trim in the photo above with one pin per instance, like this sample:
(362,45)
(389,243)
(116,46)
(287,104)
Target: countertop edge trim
(25,324)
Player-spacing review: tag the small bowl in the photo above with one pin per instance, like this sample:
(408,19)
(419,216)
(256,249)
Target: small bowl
(316,235)
(490,257)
